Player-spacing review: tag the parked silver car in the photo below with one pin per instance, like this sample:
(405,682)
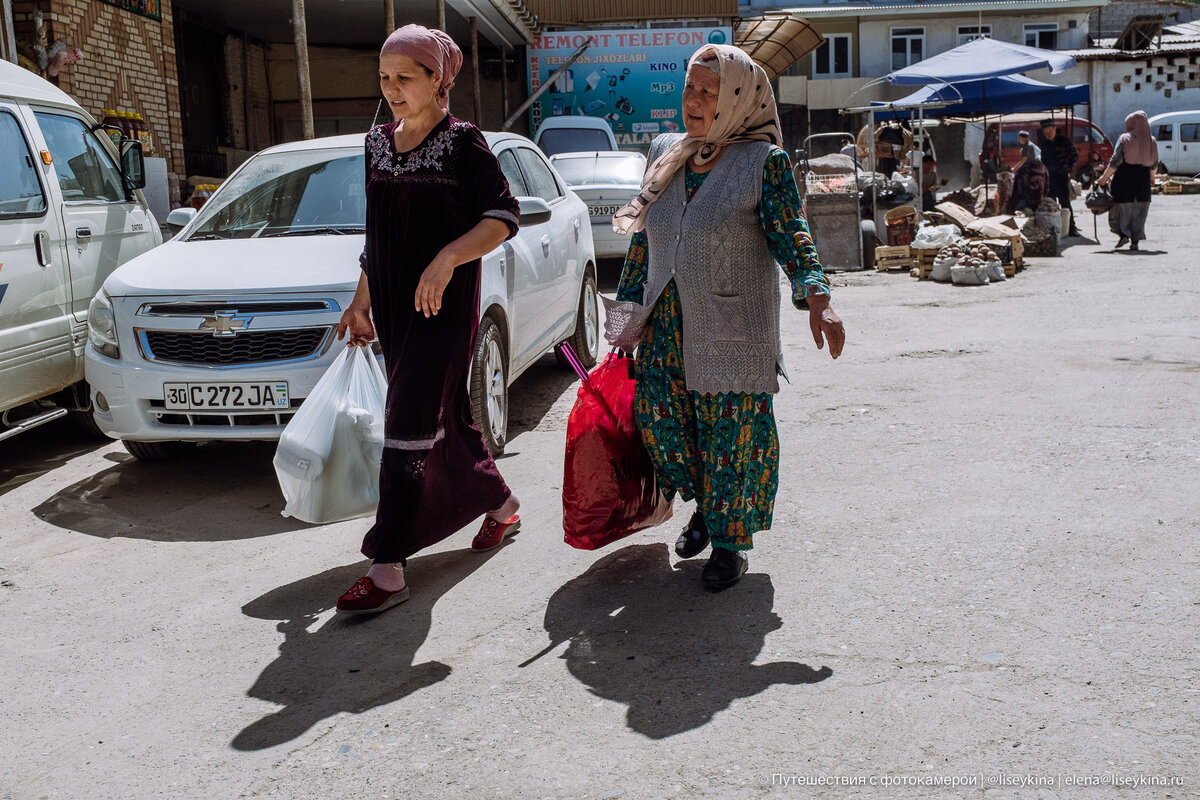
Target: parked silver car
(606,181)
(222,332)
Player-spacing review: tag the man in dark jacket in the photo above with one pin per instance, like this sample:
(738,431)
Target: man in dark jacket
(1059,156)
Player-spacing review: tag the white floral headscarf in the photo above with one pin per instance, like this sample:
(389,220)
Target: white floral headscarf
(746,112)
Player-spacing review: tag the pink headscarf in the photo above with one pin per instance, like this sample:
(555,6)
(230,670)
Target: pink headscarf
(432,49)
(1140,147)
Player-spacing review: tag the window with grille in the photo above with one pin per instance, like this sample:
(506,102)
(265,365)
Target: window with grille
(908,46)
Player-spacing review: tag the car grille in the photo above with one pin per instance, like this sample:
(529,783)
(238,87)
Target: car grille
(208,309)
(222,419)
(250,347)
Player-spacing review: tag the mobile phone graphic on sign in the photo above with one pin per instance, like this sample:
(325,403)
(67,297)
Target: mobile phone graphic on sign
(594,105)
(565,83)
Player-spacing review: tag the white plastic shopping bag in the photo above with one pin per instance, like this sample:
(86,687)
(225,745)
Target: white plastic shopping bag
(328,456)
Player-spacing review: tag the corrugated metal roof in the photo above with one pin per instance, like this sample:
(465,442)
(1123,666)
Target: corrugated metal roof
(1184,29)
(1106,50)
(825,10)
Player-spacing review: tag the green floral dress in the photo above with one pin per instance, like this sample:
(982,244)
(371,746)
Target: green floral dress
(720,449)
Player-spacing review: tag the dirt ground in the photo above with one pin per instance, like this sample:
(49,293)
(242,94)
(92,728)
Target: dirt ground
(982,581)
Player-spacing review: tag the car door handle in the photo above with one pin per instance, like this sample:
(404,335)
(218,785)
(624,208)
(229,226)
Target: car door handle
(546,245)
(83,233)
(41,243)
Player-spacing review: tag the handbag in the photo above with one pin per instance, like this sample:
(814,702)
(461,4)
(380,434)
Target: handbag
(609,489)
(1098,200)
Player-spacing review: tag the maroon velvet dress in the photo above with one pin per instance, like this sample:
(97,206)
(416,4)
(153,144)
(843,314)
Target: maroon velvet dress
(437,475)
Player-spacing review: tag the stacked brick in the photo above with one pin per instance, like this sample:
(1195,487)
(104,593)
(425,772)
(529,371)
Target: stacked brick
(129,64)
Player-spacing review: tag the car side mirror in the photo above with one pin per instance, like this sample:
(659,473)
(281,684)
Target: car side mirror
(178,219)
(534,211)
(133,166)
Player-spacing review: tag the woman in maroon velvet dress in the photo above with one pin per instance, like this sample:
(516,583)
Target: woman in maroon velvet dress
(436,202)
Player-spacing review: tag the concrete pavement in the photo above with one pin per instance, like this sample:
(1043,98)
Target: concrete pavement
(983,571)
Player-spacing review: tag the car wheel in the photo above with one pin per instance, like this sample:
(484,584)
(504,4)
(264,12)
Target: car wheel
(489,386)
(157,451)
(585,341)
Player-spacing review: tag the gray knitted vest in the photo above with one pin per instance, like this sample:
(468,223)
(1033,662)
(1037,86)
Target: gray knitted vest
(714,248)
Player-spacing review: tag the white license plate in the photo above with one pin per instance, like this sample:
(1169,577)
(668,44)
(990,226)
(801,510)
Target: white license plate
(272,395)
(603,211)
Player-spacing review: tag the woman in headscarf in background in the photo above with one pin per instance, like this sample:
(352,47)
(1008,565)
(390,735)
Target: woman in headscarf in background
(436,203)
(1131,170)
(717,215)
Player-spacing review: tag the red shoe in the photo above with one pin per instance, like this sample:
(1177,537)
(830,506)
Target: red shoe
(492,533)
(365,597)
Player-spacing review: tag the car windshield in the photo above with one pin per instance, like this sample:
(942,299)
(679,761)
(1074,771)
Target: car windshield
(573,140)
(307,192)
(594,169)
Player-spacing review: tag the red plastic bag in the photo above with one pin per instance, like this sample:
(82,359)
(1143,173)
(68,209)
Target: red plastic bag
(609,486)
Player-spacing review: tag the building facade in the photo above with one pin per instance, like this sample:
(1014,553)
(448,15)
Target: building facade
(128,60)
(867,40)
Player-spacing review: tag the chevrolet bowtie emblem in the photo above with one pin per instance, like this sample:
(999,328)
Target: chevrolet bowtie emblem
(225,323)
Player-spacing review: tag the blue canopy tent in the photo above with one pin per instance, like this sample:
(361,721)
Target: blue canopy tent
(977,60)
(973,70)
(1007,94)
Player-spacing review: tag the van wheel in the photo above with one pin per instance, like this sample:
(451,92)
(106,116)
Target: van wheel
(867,229)
(1086,176)
(585,341)
(489,386)
(157,451)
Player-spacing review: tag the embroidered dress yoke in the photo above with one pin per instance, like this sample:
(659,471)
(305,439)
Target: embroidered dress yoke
(720,448)
(436,474)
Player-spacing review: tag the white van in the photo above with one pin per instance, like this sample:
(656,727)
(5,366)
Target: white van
(1178,134)
(70,213)
(574,134)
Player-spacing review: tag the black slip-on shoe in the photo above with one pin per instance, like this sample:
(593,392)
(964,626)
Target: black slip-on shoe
(724,568)
(694,538)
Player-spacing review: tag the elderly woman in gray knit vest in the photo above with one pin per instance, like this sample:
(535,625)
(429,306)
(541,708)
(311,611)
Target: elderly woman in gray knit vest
(717,215)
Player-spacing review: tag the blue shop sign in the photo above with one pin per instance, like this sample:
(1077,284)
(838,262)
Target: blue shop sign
(631,78)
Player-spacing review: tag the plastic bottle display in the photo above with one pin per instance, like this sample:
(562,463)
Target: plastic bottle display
(111,118)
(144,135)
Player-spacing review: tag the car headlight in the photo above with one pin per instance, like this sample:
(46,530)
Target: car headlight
(102,326)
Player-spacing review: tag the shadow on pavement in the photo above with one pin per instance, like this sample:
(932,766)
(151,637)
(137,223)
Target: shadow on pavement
(1132,253)
(28,456)
(532,396)
(349,664)
(221,492)
(647,635)
(608,274)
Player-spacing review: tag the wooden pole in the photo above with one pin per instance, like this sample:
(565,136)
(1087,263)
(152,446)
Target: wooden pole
(504,81)
(441,9)
(389,17)
(475,71)
(8,41)
(302,72)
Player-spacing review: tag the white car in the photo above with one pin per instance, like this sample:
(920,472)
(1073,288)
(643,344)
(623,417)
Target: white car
(221,333)
(574,133)
(606,181)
